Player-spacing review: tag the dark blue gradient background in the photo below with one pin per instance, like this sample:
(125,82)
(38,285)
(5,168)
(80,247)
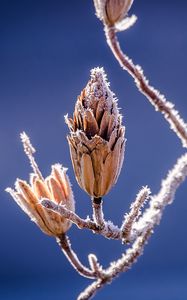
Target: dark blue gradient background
(46,51)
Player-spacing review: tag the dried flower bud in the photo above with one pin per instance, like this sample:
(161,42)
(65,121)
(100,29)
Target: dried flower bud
(112,11)
(55,187)
(96,138)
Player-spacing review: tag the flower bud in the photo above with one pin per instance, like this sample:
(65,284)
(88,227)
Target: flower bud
(112,11)
(55,187)
(96,137)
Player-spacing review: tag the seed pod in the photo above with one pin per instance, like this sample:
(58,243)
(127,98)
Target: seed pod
(55,187)
(112,11)
(96,137)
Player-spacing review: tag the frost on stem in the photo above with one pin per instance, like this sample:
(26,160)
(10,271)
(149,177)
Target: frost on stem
(95,266)
(158,100)
(123,264)
(98,215)
(29,151)
(65,245)
(135,212)
(109,230)
(165,196)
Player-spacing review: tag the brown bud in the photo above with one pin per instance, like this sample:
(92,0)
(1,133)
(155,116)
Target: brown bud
(96,137)
(56,187)
(112,11)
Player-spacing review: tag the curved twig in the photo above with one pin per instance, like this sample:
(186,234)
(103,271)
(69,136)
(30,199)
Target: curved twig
(134,214)
(155,98)
(65,245)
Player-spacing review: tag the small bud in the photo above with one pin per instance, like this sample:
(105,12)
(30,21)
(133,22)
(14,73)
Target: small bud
(56,187)
(96,138)
(111,12)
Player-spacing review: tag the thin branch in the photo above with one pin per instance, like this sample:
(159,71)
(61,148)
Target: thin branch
(70,215)
(156,99)
(65,245)
(135,212)
(109,230)
(95,266)
(98,215)
(91,290)
(121,265)
(169,186)
(29,151)
(130,257)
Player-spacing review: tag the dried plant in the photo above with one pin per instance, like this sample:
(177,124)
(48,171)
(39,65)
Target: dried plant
(97,141)
(96,137)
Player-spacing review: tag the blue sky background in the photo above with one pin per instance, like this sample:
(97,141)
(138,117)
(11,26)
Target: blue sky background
(46,51)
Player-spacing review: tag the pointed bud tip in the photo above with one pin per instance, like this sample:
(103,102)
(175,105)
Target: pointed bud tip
(98,72)
(98,75)
(99,86)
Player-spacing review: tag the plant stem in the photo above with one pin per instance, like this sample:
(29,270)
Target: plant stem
(65,245)
(121,265)
(134,214)
(98,215)
(155,98)
(109,230)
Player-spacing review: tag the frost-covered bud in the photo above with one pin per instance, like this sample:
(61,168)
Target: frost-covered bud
(96,137)
(55,187)
(111,12)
